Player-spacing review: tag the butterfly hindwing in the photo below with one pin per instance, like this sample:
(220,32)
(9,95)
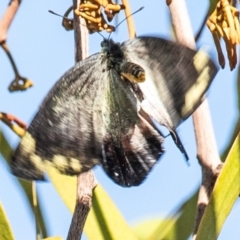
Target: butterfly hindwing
(131,146)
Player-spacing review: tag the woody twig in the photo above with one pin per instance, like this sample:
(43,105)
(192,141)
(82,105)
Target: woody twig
(19,82)
(207,152)
(14,123)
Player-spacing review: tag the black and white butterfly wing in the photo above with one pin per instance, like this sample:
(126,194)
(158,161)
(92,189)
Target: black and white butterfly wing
(131,146)
(90,116)
(176,77)
(63,123)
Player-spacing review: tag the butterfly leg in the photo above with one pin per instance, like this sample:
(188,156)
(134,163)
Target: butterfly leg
(178,142)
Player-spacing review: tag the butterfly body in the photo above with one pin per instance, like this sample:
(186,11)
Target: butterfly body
(101,110)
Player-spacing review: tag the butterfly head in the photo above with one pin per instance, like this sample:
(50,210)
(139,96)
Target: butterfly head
(110,48)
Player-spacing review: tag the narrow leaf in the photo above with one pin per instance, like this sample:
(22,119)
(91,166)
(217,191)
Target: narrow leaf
(5,230)
(225,193)
(104,220)
(5,148)
(154,229)
(179,226)
(6,151)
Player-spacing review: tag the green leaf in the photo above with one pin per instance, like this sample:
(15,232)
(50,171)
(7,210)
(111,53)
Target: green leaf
(104,220)
(154,228)
(5,230)
(185,223)
(225,193)
(6,151)
(5,148)
(66,186)
(179,226)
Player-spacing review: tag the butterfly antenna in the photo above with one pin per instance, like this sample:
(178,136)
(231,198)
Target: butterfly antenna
(71,20)
(140,9)
(52,12)
(101,35)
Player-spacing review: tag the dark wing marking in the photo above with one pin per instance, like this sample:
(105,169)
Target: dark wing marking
(90,116)
(65,130)
(176,77)
(131,146)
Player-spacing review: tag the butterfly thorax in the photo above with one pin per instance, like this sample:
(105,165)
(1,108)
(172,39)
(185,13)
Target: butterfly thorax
(112,52)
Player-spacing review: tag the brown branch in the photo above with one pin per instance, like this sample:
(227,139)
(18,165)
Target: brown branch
(19,83)
(207,153)
(208,158)
(7,18)
(86,181)
(19,128)
(80,35)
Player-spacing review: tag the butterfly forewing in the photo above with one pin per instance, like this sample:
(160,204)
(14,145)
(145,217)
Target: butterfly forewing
(172,73)
(65,130)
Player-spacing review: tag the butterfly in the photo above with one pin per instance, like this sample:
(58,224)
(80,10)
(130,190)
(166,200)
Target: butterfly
(103,110)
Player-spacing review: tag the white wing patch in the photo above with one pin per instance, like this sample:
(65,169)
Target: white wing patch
(28,151)
(62,163)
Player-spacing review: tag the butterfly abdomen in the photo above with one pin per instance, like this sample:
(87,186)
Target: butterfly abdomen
(133,72)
